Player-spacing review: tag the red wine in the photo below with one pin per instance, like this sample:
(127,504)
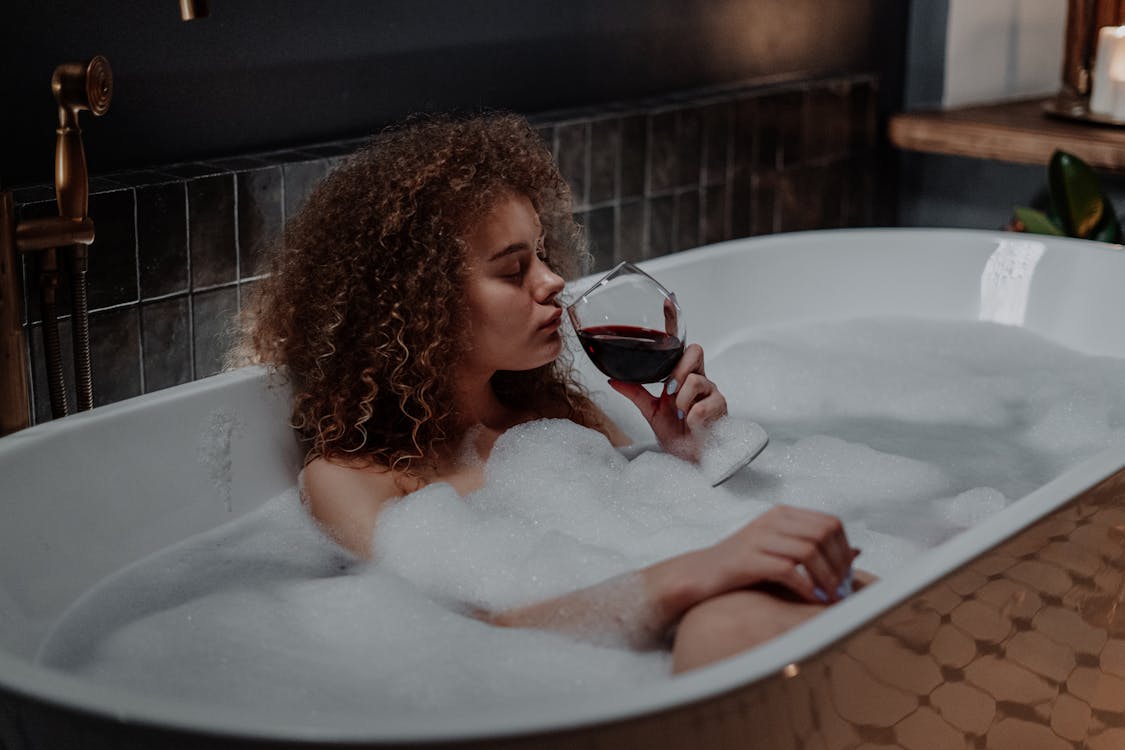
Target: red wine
(638,355)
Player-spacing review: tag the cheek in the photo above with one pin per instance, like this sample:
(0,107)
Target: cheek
(496,314)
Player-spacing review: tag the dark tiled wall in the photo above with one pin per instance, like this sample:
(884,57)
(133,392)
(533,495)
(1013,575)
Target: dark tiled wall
(178,246)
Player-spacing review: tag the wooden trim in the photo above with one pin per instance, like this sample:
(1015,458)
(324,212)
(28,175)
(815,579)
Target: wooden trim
(1018,131)
(15,413)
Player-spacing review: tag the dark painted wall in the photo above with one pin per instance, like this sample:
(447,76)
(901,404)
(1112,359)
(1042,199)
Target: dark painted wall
(257,75)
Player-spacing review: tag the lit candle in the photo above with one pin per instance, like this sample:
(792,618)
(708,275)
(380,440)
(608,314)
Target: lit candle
(1109,67)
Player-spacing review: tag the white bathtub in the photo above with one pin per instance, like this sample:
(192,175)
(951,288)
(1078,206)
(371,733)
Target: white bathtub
(88,494)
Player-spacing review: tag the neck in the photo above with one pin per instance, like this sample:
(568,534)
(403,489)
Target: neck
(477,403)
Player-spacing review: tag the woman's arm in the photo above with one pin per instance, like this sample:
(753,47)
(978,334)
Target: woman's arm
(345,501)
(801,550)
(798,549)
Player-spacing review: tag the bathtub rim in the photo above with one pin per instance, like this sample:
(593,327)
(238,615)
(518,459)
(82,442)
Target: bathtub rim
(536,716)
(117,704)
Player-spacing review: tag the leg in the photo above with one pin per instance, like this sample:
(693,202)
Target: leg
(732,623)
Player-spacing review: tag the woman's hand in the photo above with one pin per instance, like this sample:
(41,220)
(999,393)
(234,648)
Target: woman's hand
(681,416)
(805,551)
(800,551)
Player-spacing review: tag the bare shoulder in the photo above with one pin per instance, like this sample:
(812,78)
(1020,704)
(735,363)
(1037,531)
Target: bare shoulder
(601,422)
(609,428)
(346,500)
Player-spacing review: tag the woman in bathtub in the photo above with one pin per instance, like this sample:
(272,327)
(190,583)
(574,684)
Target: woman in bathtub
(415,302)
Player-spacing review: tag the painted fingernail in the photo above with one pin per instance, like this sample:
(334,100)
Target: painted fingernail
(680,414)
(671,387)
(819,593)
(845,587)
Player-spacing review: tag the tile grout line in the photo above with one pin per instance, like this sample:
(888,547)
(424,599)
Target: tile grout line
(137,268)
(190,291)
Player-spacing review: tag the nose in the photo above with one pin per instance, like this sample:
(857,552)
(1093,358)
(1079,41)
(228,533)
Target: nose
(548,284)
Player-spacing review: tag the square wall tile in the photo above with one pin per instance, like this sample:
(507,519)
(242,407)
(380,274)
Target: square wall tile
(246,293)
(600,225)
(740,199)
(300,178)
(661,226)
(33,194)
(143,177)
(573,159)
(211,227)
(214,317)
(715,215)
(166,343)
(859,192)
(115,355)
(664,154)
(634,156)
(547,133)
(864,115)
(648,177)
(630,232)
(687,220)
(811,197)
(780,129)
(260,217)
(828,123)
(744,133)
(689,146)
(605,148)
(112,264)
(764,204)
(716,142)
(162,239)
(193,169)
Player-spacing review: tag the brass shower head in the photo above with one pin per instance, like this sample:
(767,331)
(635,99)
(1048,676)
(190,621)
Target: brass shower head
(79,86)
(193,9)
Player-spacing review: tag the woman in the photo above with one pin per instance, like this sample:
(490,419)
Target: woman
(414,310)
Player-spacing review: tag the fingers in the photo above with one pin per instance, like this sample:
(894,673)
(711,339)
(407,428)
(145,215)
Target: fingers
(699,402)
(686,407)
(810,540)
(640,397)
(690,362)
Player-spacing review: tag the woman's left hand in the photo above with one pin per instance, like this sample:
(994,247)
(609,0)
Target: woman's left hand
(683,412)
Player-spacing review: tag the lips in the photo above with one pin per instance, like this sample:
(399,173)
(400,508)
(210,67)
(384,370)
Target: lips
(552,322)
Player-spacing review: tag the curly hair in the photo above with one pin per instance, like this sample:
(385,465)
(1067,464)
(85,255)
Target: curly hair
(363,309)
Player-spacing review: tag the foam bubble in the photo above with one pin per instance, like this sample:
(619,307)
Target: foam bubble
(910,431)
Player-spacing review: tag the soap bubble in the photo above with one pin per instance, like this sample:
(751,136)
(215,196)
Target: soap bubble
(911,431)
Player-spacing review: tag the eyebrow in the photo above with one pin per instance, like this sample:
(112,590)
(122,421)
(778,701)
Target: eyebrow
(509,250)
(516,247)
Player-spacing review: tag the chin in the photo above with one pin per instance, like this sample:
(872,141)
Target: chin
(549,356)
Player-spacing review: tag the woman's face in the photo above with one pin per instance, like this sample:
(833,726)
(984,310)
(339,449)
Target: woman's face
(514,320)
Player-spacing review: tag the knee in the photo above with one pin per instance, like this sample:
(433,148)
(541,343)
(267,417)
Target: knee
(732,623)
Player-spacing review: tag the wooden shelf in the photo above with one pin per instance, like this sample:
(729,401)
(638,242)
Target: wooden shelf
(1017,131)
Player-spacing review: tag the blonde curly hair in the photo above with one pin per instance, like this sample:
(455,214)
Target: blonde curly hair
(363,311)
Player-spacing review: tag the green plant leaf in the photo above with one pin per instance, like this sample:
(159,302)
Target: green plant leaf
(1109,229)
(1037,222)
(1076,194)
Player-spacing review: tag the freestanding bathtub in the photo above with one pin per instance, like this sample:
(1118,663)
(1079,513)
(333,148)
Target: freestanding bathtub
(88,494)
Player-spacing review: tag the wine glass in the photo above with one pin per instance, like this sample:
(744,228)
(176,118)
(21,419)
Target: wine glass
(630,326)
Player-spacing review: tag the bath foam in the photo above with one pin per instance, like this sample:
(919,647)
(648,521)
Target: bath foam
(911,431)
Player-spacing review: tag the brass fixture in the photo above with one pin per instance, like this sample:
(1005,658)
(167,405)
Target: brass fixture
(193,9)
(76,86)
